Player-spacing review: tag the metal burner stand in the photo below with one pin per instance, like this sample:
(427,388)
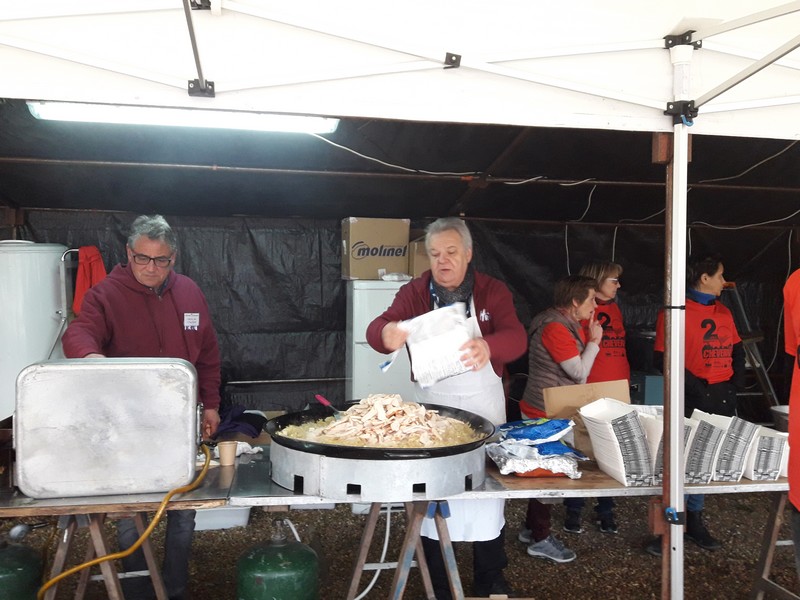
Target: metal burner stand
(369,480)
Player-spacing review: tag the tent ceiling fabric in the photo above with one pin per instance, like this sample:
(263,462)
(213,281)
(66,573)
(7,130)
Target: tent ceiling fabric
(581,64)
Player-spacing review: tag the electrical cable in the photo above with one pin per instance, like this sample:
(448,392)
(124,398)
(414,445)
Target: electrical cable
(577,182)
(758,164)
(159,513)
(391,165)
(566,245)
(578,220)
(746,225)
(781,315)
(537,178)
(614,244)
(643,219)
(588,204)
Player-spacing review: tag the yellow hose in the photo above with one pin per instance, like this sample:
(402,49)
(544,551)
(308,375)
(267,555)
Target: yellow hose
(159,513)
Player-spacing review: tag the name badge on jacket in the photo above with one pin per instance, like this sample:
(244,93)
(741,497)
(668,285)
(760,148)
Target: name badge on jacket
(191,321)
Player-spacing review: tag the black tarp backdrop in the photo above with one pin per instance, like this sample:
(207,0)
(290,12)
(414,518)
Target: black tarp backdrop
(278,301)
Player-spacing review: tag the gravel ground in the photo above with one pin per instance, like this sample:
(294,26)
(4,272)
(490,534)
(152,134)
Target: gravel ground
(607,567)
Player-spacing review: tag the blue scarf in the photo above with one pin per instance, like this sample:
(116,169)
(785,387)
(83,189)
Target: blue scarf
(700,297)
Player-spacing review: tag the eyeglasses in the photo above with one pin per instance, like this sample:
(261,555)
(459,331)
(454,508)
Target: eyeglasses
(613,279)
(160,261)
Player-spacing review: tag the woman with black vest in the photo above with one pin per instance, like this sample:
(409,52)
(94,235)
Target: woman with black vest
(561,352)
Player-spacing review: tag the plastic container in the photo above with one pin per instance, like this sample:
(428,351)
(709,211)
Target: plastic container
(223,517)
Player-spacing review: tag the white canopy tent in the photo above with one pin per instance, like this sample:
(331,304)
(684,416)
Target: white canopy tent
(577,64)
(580,64)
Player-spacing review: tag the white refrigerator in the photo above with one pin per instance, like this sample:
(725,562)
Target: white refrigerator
(366,299)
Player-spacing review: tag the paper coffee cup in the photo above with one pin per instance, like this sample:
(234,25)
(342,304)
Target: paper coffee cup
(227,453)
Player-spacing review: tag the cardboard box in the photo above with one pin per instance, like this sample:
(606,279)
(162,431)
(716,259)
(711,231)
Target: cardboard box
(369,245)
(418,261)
(563,403)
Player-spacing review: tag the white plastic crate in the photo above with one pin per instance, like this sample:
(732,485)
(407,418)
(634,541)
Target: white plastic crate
(223,517)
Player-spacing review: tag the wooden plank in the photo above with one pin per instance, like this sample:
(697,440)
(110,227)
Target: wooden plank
(108,570)
(62,549)
(363,550)
(26,507)
(591,478)
(150,559)
(763,584)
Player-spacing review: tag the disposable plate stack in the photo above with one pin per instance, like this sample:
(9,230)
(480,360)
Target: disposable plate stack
(735,446)
(704,446)
(768,456)
(653,424)
(619,441)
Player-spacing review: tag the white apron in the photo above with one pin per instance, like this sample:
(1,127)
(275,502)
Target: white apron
(480,392)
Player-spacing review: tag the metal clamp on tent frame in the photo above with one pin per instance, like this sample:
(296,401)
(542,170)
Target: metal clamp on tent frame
(196,89)
(673,517)
(682,111)
(684,39)
(452,61)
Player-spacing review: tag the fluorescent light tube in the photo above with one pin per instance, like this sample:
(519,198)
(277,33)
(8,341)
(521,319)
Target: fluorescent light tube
(180,117)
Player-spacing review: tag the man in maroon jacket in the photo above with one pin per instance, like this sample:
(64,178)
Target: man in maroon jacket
(145,309)
(497,338)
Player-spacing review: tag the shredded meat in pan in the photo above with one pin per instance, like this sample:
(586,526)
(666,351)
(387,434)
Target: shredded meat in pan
(385,421)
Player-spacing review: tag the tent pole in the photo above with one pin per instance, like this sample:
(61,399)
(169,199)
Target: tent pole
(674,329)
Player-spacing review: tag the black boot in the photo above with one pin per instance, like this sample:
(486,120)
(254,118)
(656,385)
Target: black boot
(696,531)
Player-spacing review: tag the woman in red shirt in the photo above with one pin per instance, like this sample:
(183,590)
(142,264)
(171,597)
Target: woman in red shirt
(611,364)
(714,367)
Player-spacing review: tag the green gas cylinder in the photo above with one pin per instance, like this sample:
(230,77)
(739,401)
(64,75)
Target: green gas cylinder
(278,570)
(20,572)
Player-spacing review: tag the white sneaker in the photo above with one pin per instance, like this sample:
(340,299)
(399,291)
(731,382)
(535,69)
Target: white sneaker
(552,549)
(525,536)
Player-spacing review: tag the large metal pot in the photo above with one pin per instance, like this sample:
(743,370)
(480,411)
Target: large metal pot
(483,426)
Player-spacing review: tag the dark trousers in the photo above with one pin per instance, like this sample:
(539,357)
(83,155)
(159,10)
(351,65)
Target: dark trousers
(488,561)
(605,505)
(177,551)
(537,520)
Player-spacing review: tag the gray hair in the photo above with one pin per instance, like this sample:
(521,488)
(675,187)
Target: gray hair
(156,228)
(448,224)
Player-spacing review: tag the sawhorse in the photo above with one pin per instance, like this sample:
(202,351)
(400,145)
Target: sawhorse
(99,547)
(412,544)
(763,583)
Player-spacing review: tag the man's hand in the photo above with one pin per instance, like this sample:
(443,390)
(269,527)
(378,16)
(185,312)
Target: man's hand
(392,336)
(476,354)
(210,423)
